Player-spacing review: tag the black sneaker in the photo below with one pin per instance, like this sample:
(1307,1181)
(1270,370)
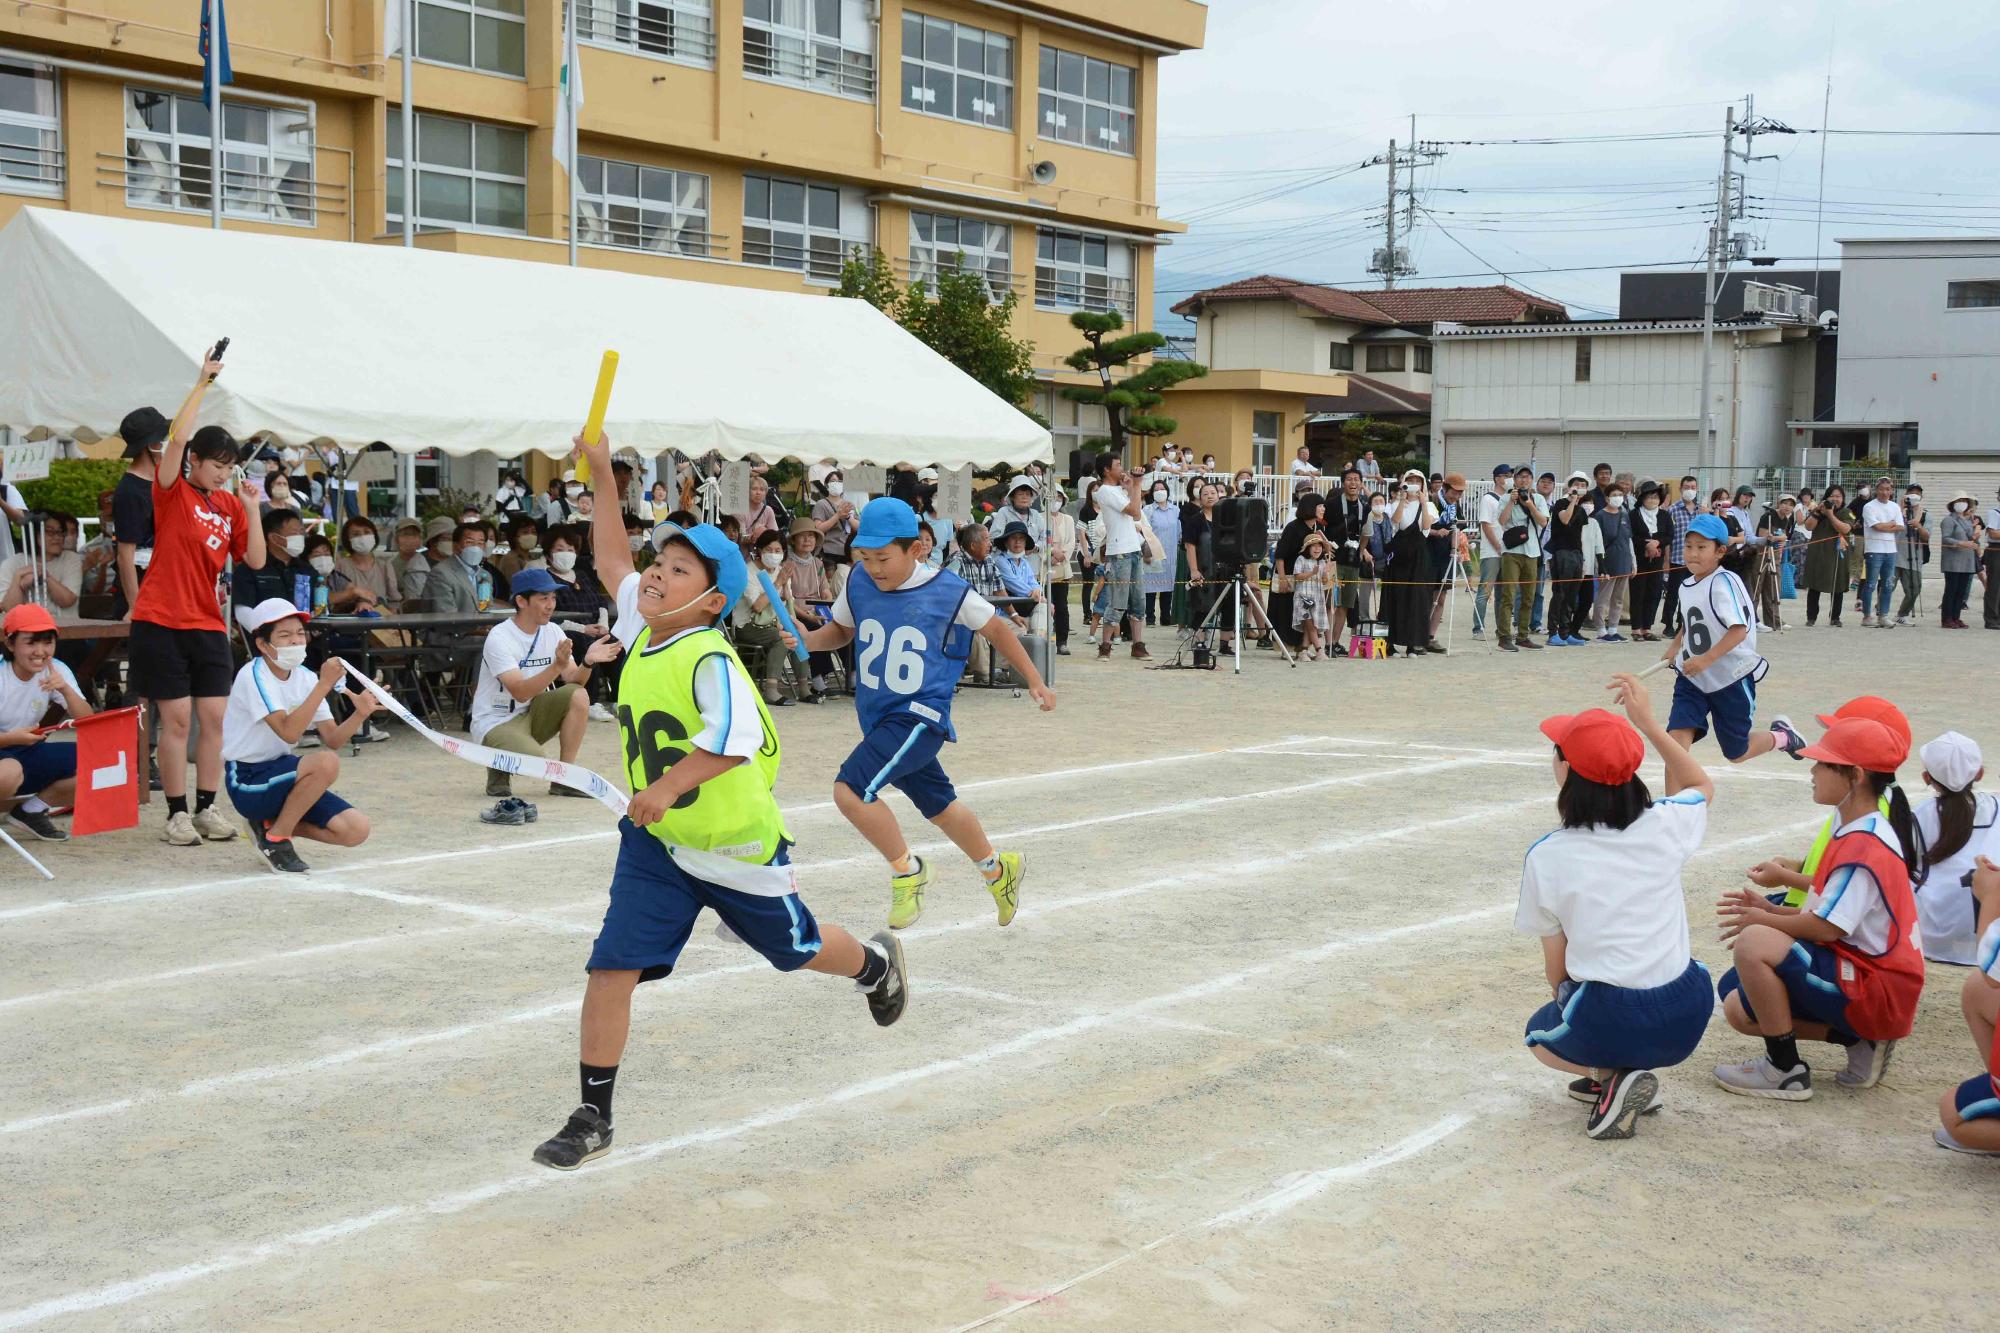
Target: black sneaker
(1788,737)
(1621,1100)
(1585,1090)
(38,823)
(280,856)
(892,993)
(511,810)
(587,1135)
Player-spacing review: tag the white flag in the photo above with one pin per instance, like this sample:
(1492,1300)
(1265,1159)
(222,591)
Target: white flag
(392,26)
(570,70)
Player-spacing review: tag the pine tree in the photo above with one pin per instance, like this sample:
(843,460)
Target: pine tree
(1128,403)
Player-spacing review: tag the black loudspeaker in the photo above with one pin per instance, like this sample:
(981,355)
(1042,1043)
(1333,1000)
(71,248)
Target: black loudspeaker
(1242,533)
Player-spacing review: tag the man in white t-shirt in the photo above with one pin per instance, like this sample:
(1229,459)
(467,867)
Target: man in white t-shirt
(1302,466)
(1881,524)
(1487,518)
(1124,594)
(532,691)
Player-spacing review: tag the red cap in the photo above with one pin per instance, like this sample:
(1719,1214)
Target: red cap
(1599,745)
(1861,742)
(27,618)
(1874,708)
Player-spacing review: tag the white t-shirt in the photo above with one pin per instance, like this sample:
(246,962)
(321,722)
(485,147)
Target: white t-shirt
(1121,530)
(66,569)
(1945,908)
(1880,511)
(1301,468)
(1710,608)
(1489,513)
(973,612)
(258,692)
(1853,900)
(508,648)
(23,703)
(1616,894)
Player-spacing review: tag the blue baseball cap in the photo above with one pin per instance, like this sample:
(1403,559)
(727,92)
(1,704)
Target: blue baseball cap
(883,520)
(1711,527)
(723,557)
(531,581)
(1503,470)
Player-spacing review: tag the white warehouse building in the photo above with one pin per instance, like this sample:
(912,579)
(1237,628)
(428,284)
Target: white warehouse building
(1622,392)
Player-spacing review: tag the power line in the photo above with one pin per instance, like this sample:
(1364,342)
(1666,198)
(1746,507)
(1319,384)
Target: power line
(1478,258)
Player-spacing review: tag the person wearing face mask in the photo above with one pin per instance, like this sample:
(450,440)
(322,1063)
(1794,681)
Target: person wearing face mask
(1913,552)
(1614,526)
(833,515)
(453,587)
(278,492)
(367,583)
(755,620)
(554,510)
(1958,559)
(419,551)
(1829,529)
(1569,590)
(284,572)
(1682,512)
(583,613)
(1777,531)
(1351,517)
(1652,535)
(1308,517)
(523,547)
(1164,517)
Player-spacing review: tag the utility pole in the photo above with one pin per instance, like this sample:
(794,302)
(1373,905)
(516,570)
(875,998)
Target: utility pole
(1389,265)
(1389,261)
(1725,244)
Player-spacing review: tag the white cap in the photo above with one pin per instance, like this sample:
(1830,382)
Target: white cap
(1953,760)
(924,473)
(1018,482)
(268,612)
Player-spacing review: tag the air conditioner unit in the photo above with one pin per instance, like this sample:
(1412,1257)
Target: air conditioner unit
(1759,298)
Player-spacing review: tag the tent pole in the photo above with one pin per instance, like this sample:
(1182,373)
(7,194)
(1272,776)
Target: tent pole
(409,129)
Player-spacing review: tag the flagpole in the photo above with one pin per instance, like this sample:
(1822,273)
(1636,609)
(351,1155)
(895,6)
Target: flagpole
(215,131)
(570,73)
(409,134)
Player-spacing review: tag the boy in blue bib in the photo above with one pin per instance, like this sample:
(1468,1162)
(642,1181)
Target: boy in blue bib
(914,627)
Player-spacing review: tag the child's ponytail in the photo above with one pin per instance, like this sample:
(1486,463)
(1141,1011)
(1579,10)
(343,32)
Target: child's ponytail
(1904,821)
(1955,812)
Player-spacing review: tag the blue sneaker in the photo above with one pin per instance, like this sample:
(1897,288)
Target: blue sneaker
(1613,637)
(1562,641)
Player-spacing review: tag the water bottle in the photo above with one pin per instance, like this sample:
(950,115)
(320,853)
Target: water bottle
(485,586)
(319,596)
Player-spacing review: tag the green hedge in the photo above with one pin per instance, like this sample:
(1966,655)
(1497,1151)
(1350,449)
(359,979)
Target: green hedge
(73,485)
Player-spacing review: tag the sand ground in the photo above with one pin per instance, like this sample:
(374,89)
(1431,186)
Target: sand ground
(1249,1057)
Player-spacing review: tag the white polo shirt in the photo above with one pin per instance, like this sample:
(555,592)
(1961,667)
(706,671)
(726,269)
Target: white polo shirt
(260,691)
(1853,900)
(1616,894)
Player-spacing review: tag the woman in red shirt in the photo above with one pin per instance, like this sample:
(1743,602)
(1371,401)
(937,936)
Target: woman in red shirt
(180,643)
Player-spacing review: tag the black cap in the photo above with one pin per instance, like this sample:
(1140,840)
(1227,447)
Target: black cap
(142,428)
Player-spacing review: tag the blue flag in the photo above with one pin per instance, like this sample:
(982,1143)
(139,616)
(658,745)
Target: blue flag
(214,50)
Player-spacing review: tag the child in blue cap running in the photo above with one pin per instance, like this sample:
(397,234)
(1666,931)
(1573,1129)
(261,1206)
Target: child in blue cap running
(1715,654)
(915,626)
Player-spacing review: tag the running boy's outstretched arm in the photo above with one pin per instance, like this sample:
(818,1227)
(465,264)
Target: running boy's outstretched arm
(830,637)
(1008,644)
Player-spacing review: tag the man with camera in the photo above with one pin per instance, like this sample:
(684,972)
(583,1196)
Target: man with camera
(1347,528)
(1491,549)
(1118,504)
(1521,520)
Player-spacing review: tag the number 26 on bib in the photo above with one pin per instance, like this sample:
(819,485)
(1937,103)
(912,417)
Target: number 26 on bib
(892,660)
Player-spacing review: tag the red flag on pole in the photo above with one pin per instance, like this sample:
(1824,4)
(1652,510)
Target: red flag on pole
(107,772)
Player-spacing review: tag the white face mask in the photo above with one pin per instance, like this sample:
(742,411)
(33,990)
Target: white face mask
(472,555)
(1959,506)
(362,544)
(636,542)
(836,488)
(1688,494)
(321,564)
(289,658)
(280,494)
(1376,511)
(572,491)
(562,561)
(294,545)
(771,559)
(1159,497)
(1614,502)
(525,542)
(1504,485)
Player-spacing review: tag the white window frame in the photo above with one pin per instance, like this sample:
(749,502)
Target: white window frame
(1952,285)
(681,31)
(787,244)
(475,174)
(1264,448)
(1071,422)
(928,81)
(47,159)
(657,224)
(1064,284)
(157,176)
(1065,115)
(929,256)
(798,53)
(474,10)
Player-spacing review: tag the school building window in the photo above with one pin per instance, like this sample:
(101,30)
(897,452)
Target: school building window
(799,225)
(1385,358)
(267,157)
(487,35)
(682,30)
(824,45)
(940,242)
(636,207)
(1088,101)
(470,177)
(1978,294)
(1340,356)
(957,70)
(1071,423)
(1265,430)
(31,157)
(1079,271)
(1583,360)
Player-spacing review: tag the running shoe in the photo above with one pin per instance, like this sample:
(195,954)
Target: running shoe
(1585,1090)
(906,895)
(889,996)
(1761,1078)
(1621,1100)
(280,855)
(38,823)
(214,825)
(1867,1061)
(1788,737)
(599,713)
(586,1136)
(509,810)
(1613,637)
(1006,890)
(180,830)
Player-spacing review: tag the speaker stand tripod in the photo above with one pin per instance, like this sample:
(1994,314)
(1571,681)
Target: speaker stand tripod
(1240,597)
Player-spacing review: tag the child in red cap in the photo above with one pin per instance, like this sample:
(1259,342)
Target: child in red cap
(1845,967)
(1794,878)
(32,682)
(1629,997)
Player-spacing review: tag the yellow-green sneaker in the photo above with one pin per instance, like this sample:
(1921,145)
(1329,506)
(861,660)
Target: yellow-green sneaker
(1006,890)
(906,895)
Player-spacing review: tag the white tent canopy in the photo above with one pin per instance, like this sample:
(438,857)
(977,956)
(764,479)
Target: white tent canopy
(461,353)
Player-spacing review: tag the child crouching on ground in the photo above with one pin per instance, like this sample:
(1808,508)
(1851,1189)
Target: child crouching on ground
(1971,1111)
(1846,967)
(281,793)
(1629,997)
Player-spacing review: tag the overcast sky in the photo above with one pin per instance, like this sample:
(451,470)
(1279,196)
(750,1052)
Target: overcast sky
(1288,92)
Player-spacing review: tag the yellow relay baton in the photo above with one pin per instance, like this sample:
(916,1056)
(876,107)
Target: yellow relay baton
(593,425)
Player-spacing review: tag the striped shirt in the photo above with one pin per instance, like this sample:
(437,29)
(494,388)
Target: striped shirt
(1681,514)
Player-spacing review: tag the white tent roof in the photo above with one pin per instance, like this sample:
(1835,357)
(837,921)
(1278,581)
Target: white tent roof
(357,343)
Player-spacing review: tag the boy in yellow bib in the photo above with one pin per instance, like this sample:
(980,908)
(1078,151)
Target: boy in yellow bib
(703,829)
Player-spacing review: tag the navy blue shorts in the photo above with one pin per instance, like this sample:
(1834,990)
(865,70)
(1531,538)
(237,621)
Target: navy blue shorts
(1978,1099)
(1811,975)
(901,752)
(1600,1026)
(259,788)
(1730,709)
(43,764)
(654,904)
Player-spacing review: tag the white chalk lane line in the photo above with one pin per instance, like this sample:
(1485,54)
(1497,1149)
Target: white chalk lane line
(267,880)
(403,1043)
